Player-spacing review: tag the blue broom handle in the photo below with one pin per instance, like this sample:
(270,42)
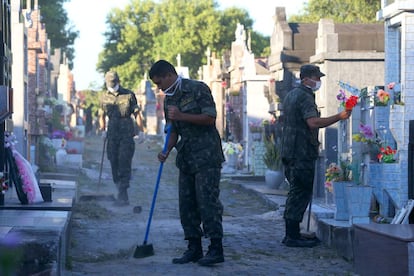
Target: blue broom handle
(154,198)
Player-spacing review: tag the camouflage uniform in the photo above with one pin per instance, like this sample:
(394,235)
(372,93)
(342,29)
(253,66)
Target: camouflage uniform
(119,106)
(199,160)
(299,150)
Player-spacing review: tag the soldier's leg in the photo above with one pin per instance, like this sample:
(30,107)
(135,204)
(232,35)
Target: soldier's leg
(124,156)
(112,154)
(211,211)
(190,219)
(300,176)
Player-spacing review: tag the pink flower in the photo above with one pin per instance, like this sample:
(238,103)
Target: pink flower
(391,85)
(383,96)
(328,186)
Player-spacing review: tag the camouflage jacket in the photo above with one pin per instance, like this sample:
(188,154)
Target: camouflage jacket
(119,106)
(199,146)
(299,142)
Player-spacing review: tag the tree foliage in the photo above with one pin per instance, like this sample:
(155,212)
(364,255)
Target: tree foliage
(148,30)
(59,30)
(92,99)
(341,11)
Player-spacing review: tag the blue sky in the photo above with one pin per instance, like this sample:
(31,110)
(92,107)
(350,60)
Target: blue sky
(89,19)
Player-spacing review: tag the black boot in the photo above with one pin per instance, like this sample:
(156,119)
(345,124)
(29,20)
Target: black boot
(293,237)
(214,254)
(192,254)
(122,199)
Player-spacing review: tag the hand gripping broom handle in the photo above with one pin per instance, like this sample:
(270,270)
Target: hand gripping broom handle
(154,198)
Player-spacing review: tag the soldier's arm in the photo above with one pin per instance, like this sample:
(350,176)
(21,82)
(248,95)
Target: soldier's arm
(315,122)
(139,121)
(199,119)
(102,119)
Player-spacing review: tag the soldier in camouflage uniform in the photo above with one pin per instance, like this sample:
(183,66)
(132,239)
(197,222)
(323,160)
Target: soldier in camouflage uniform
(119,104)
(190,109)
(300,147)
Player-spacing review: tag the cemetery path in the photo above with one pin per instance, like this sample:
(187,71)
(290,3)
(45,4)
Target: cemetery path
(104,237)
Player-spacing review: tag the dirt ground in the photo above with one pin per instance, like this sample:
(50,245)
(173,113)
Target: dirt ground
(104,237)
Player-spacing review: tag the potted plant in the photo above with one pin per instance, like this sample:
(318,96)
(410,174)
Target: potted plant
(274,175)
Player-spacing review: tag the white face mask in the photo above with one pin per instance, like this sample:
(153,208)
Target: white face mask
(168,91)
(113,89)
(317,85)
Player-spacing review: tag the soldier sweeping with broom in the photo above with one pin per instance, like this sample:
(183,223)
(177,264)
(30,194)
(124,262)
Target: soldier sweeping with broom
(190,111)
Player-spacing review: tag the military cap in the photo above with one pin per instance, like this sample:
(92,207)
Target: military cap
(310,70)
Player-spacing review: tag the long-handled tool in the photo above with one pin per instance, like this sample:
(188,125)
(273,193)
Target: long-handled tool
(101,165)
(146,250)
(308,234)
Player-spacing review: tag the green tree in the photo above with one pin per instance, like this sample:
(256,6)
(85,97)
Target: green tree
(341,11)
(148,30)
(92,98)
(60,31)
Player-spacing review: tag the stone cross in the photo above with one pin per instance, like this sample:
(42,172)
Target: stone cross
(178,60)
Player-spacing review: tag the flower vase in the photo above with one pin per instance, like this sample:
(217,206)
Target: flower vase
(359,203)
(372,150)
(382,123)
(329,198)
(231,160)
(341,202)
(1,199)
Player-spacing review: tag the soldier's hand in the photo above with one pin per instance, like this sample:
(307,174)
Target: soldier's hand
(103,134)
(163,156)
(174,113)
(345,114)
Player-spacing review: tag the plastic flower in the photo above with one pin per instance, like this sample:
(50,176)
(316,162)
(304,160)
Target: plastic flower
(365,135)
(341,96)
(230,148)
(335,172)
(391,85)
(348,103)
(329,186)
(351,102)
(386,155)
(382,97)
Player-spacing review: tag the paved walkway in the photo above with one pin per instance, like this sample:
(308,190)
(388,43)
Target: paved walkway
(96,238)
(104,237)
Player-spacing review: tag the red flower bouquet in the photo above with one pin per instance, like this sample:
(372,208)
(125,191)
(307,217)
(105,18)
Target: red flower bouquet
(348,103)
(351,102)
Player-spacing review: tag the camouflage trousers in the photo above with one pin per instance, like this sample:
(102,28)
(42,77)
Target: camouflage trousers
(300,175)
(120,153)
(199,203)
